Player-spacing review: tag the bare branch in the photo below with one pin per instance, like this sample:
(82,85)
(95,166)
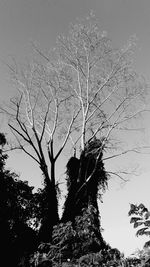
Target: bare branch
(40,52)
(67,135)
(55,119)
(17,131)
(118,175)
(44,123)
(22,147)
(137,150)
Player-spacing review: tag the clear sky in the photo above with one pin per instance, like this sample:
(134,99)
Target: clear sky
(23,21)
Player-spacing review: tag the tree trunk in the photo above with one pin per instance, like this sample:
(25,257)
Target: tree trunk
(50,213)
(85,177)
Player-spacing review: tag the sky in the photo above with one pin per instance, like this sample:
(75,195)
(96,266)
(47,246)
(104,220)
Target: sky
(41,21)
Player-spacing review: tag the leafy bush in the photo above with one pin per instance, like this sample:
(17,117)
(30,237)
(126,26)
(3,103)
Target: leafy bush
(71,240)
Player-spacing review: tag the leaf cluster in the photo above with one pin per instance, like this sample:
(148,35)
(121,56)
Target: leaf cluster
(140,219)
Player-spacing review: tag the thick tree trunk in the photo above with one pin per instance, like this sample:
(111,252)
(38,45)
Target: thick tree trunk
(86,176)
(50,214)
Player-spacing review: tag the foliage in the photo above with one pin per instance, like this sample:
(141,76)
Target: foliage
(3,156)
(140,219)
(88,231)
(15,195)
(106,258)
(72,240)
(15,213)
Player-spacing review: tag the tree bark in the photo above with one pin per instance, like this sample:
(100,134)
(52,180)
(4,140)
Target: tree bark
(50,216)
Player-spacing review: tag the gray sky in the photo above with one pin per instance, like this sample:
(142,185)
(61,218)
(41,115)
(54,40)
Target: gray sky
(23,21)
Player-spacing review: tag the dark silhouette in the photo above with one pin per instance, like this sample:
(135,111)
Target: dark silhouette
(18,240)
(86,178)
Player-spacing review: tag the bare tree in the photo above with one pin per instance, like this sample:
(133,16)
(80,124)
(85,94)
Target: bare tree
(107,93)
(38,114)
(88,91)
(109,97)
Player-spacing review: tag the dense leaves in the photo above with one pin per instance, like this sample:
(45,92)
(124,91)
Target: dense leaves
(17,237)
(70,240)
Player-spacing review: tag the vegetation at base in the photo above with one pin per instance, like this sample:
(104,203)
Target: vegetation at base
(20,217)
(105,258)
(74,243)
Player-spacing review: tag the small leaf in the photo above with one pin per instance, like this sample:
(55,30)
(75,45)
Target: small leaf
(133,209)
(147,244)
(147,215)
(141,231)
(137,224)
(135,219)
(141,206)
(147,223)
(147,233)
